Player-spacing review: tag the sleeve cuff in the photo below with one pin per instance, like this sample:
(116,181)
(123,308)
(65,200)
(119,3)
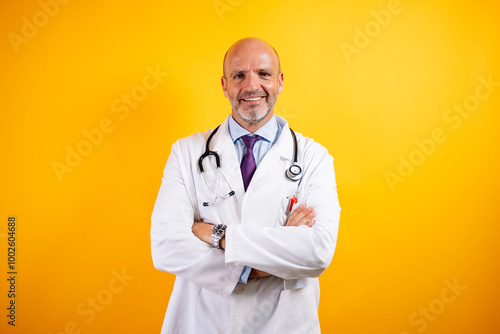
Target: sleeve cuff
(245,274)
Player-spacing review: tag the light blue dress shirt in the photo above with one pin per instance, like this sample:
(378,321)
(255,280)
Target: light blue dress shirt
(270,132)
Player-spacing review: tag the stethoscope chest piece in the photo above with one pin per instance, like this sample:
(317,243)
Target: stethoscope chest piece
(294,172)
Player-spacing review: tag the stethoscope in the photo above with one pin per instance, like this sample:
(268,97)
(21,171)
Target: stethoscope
(293,173)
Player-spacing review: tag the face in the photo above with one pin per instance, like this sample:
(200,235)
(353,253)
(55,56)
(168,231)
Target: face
(252,84)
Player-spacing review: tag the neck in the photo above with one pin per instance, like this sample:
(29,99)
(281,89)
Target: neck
(252,127)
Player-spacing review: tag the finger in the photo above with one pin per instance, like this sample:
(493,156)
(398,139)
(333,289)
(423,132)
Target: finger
(304,216)
(301,216)
(293,216)
(311,223)
(307,219)
(297,215)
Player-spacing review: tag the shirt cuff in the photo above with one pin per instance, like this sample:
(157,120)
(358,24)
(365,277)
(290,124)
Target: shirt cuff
(245,274)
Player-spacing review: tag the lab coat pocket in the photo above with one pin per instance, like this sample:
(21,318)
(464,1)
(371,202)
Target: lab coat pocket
(283,211)
(281,218)
(297,312)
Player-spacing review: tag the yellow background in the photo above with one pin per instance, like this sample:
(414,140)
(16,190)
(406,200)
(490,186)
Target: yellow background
(399,246)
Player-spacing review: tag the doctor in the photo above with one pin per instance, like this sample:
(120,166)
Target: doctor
(250,227)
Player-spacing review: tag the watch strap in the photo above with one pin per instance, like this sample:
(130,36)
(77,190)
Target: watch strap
(218,232)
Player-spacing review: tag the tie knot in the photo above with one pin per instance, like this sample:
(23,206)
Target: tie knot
(250,141)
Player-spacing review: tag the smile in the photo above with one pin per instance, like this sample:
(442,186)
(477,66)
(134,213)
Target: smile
(253,98)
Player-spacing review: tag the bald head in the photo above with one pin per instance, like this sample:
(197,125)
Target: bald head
(252,82)
(253,47)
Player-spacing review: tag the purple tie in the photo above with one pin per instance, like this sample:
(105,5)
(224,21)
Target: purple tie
(248,163)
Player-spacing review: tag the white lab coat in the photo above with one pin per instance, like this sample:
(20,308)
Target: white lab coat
(207,297)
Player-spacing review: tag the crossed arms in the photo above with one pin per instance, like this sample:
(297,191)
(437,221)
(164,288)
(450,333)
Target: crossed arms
(303,248)
(302,215)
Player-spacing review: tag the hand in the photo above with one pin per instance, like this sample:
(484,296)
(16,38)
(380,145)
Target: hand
(255,273)
(302,215)
(203,231)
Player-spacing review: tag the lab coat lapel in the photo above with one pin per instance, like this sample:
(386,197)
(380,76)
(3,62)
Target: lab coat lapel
(230,168)
(282,150)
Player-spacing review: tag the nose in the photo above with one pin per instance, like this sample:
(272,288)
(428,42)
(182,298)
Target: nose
(252,83)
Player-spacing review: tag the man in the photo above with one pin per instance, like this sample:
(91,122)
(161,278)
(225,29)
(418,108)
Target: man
(244,263)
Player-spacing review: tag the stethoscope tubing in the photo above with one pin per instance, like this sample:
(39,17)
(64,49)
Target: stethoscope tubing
(293,173)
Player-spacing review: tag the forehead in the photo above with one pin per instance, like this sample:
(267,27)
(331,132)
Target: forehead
(251,57)
(244,62)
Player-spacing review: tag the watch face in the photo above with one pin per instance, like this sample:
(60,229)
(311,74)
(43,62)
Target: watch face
(219,229)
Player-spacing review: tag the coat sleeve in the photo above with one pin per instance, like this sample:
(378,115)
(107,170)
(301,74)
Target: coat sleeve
(292,252)
(174,248)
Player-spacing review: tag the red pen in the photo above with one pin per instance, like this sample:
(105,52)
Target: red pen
(292,202)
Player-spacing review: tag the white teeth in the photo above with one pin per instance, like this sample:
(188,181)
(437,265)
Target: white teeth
(253,99)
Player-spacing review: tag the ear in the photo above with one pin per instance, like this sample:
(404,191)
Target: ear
(280,83)
(223,81)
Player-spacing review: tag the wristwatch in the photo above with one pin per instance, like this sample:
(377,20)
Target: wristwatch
(218,232)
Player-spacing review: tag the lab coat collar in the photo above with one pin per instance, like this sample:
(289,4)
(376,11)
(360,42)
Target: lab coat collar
(268,131)
(222,144)
(282,150)
(285,141)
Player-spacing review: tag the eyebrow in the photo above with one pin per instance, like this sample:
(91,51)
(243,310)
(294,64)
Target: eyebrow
(265,69)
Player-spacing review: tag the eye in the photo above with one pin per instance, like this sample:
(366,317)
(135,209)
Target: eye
(265,74)
(238,76)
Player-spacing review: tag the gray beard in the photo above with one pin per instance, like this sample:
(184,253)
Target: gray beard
(253,116)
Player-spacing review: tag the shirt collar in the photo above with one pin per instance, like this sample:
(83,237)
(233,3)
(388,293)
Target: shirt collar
(268,131)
